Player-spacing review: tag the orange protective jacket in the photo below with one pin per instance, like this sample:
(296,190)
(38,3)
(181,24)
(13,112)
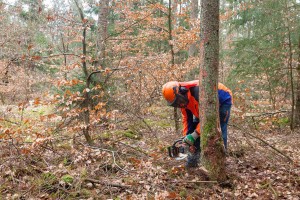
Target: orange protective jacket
(190,114)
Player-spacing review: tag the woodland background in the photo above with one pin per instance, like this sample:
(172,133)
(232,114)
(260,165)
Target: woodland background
(82,115)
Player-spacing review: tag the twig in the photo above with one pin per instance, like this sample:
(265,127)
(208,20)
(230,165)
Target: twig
(131,113)
(62,54)
(187,182)
(130,25)
(108,184)
(11,121)
(114,159)
(100,71)
(24,193)
(273,190)
(265,114)
(136,149)
(111,151)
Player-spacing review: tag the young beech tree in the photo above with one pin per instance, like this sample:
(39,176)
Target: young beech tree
(211,143)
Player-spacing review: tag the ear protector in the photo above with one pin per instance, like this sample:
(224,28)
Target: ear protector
(183,90)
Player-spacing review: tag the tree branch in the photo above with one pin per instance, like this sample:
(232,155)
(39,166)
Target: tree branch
(62,54)
(129,26)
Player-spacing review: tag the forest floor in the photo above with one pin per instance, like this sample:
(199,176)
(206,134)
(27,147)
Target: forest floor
(261,164)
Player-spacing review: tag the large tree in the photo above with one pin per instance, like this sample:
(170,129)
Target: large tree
(211,141)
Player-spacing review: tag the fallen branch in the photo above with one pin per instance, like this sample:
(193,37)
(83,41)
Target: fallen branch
(265,114)
(12,122)
(266,143)
(105,183)
(188,182)
(107,150)
(134,148)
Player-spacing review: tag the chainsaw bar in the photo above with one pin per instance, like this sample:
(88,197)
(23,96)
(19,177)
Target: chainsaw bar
(181,156)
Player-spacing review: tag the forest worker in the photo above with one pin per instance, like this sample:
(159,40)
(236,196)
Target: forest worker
(185,95)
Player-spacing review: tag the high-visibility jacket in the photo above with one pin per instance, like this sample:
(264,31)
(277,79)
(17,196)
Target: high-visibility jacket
(190,114)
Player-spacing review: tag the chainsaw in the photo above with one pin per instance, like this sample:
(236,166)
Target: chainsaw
(180,150)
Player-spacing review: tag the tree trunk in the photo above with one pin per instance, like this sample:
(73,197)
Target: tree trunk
(176,117)
(170,34)
(86,102)
(102,31)
(290,60)
(194,15)
(297,110)
(213,154)
(272,97)
(65,50)
(290,66)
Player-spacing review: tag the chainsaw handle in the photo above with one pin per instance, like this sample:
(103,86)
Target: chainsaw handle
(176,148)
(179,146)
(178,141)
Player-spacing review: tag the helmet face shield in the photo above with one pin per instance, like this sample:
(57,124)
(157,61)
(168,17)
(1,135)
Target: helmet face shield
(180,101)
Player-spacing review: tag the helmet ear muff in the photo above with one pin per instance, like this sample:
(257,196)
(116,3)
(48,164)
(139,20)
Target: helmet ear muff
(183,90)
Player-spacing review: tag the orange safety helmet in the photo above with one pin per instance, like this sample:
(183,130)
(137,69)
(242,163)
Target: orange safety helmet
(172,93)
(169,90)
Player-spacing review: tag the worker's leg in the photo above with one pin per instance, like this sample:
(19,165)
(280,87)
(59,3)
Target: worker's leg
(224,117)
(193,159)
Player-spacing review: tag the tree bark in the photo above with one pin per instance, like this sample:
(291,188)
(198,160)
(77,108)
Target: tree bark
(194,16)
(297,110)
(175,113)
(290,66)
(102,31)
(213,154)
(290,60)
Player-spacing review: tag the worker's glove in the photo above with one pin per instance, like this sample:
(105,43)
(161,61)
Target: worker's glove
(191,138)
